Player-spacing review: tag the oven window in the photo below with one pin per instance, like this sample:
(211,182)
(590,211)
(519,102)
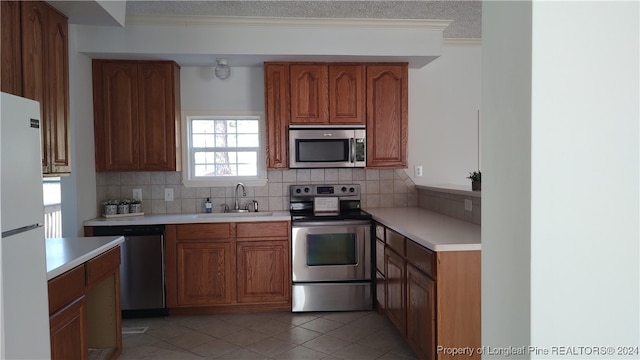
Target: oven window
(322,150)
(331,249)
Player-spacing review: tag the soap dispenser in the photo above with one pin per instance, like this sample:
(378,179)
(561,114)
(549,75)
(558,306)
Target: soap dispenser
(207,206)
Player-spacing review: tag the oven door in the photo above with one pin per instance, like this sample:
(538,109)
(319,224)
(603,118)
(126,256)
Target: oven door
(331,251)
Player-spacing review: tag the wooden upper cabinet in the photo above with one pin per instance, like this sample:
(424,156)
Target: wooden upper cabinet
(387,115)
(58,91)
(327,94)
(11,51)
(159,124)
(35,65)
(136,120)
(347,94)
(276,85)
(309,94)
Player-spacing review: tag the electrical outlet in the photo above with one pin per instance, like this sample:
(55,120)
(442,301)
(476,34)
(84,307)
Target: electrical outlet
(168,194)
(137,194)
(418,170)
(468,205)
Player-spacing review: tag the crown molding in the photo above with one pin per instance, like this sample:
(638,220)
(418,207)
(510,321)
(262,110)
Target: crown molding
(215,21)
(462,41)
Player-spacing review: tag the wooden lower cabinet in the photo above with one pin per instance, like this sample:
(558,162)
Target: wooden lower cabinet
(84,309)
(68,328)
(205,273)
(263,271)
(396,306)
(421,313)
(432,298)
(228,267)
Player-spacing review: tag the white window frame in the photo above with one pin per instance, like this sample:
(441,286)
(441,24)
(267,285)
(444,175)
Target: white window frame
(188,178)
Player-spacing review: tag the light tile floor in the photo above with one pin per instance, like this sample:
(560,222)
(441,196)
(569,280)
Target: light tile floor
(275,335)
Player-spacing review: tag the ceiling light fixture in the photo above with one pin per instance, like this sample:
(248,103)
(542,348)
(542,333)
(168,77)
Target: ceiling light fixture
(222,69)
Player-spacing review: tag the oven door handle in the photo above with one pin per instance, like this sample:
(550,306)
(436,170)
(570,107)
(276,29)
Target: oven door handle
(331,223)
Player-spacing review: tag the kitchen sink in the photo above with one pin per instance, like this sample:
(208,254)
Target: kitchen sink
(235,214)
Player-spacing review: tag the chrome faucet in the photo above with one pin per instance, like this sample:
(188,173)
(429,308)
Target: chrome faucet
(236,205)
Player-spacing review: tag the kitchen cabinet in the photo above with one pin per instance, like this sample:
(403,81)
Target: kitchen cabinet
(380,269)
(421,316)
(35,65)
(276,85)
(387,115)
(263,262)
(84,309)
(432,298)
(395,277)
(327,94)
(136,115)
(11,48)
(204,264)
(228,267)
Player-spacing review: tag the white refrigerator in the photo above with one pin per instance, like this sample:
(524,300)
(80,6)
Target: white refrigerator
(24,311)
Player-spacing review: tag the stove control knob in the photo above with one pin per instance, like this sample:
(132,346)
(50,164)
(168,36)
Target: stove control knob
(306,189)
(344,189)
(352,190)
(298,191)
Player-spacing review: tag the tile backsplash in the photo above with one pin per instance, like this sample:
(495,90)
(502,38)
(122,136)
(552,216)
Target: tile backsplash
(380,188)
(451,204)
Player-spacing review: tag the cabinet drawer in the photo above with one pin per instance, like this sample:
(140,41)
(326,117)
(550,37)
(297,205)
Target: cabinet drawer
(66,287)
(103,264)
(380,232)
(395,241)
(204,231)
(422,258)
(380,256)
(263,229)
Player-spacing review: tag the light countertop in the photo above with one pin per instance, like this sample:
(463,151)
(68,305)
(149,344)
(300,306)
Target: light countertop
(63,254)
(190,218)
(430,229)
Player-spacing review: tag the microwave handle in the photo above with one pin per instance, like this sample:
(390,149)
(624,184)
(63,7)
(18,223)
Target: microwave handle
(352,150)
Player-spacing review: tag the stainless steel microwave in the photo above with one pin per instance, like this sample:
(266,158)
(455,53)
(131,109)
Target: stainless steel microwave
(327,147)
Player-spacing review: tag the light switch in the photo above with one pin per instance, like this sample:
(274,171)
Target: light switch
(168,194)
(468,205)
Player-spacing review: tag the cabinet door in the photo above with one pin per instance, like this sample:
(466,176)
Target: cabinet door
(309,94)
(263,271)
(157,116)
(205,273)
(11,49)
(387,116)
(115,104)
(276,84)
(395,278)
(57,106)
(34,63)
(68,329)
(346,94)
(380,292)
(421,313)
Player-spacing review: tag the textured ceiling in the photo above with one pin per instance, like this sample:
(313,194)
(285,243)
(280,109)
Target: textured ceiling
(466,15)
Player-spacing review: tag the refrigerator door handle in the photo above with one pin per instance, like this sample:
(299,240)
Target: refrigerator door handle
(19,230)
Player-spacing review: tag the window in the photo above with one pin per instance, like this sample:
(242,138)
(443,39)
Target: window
(222,150)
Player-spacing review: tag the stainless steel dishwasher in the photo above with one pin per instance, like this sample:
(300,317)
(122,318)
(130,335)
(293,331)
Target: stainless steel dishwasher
(142,289)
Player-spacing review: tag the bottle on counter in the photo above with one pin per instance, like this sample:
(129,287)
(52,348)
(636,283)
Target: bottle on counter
(207,206)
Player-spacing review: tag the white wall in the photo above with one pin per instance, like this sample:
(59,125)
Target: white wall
(585,174)
(561,156)
(79,189)
(242,91)
(444,99)
(506,185)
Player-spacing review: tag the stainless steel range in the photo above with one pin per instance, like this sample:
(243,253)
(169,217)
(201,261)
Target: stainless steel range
(330,249)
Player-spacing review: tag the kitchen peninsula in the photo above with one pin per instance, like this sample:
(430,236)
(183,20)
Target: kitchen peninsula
(428,278)
(84,297)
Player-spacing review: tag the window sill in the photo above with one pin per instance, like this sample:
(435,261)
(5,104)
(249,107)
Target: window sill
(190,183)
